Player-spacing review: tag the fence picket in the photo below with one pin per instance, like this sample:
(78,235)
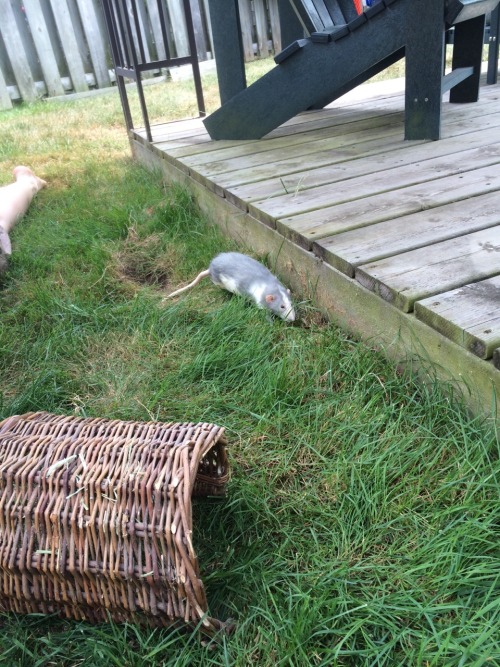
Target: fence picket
(274,21)
(55,47)
(5,101)
(261,28)
(17,55)
(199,31)
(210,40)
(43,47)
(69,44)
(95,42)
(180,36)
(154,18)
(246,22)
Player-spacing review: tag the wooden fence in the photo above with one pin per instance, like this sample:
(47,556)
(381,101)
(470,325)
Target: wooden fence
(50,48)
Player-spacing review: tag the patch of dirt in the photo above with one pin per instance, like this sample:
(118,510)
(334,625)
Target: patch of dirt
(145,262)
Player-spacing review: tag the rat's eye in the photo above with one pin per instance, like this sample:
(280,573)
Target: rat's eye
(282,307)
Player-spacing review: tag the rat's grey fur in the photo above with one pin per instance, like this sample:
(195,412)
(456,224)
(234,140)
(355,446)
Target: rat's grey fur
(247,277)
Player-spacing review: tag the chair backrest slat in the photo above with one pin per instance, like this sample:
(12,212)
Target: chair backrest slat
(338,16)
(346,7)
(308,15)
(319,15)
(323,13)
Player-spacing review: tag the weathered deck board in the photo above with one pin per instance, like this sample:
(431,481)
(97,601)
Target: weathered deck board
(163,131)
(376,166)
(344,147)
(273,156)
(417,274)
(238,154)
(350,212)
(424,170)
(306,122)
(346,251)
(470,315)
(197,141)
(308,227)
(459,123)
(335,147)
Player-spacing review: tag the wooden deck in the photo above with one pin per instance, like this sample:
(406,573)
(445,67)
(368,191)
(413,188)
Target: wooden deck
(398,241)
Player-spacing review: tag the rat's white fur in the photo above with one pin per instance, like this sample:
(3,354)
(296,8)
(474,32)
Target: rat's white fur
(258,290)
(228,283)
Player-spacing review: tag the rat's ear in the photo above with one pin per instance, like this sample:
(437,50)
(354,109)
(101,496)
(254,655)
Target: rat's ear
(270,298)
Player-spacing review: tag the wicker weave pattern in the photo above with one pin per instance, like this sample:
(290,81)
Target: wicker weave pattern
(95,517)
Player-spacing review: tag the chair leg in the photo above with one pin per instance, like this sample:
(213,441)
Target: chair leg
(228,47)
(492,75)
(424,69)
(468,52)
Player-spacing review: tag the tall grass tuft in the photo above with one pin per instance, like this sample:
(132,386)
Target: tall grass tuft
(361,524)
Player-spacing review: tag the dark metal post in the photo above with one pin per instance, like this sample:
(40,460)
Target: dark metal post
(135,68)
(228,47)
(195,64)
(117,54)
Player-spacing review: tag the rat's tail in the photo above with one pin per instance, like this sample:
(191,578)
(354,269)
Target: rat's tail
(199,277)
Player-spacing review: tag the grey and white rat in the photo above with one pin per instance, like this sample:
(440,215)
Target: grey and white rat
(240,274)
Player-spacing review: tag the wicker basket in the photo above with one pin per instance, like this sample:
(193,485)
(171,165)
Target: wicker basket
(96,521)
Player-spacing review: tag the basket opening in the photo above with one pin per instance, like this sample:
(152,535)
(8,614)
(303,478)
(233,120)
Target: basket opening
(213,472)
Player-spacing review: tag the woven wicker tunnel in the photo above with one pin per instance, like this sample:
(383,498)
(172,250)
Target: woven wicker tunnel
(96,520)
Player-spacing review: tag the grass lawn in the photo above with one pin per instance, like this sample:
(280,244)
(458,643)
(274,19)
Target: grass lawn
(361,526)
